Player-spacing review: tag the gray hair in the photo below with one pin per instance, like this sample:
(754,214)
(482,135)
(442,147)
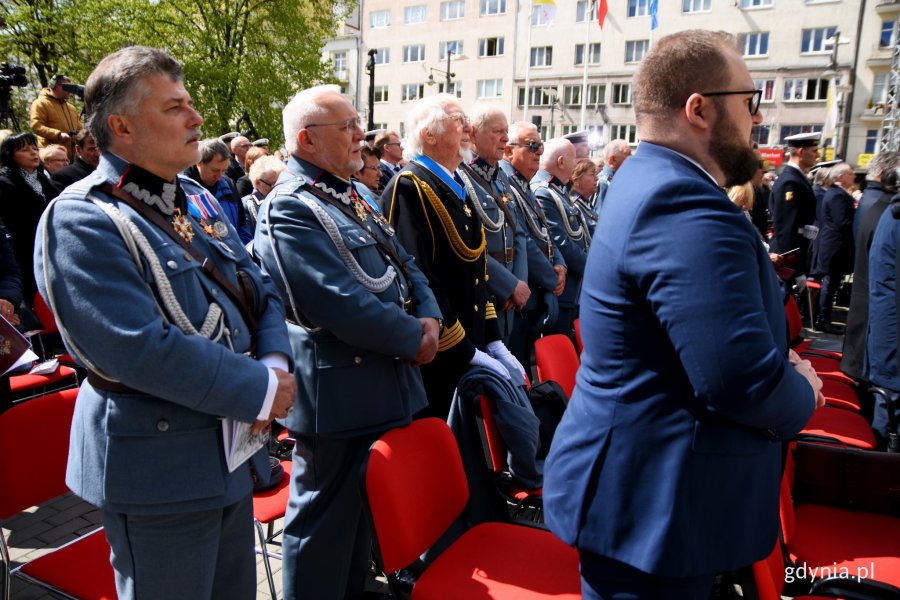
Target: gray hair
(117,86)
(838,170)
(482,112)
(264,165)
(518,130)
(553,149)
(303,109)
(427,114)
(882,163)
(213,148)
(614,148)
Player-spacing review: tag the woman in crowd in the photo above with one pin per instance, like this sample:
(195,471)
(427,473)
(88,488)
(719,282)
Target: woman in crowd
(263,173)
(583,188)
(24,194)
(244,185)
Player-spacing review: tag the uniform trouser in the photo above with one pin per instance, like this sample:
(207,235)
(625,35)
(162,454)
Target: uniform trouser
(198,555)
(327,543)
(603,578)
(565,320)
(830,285)
(526,330)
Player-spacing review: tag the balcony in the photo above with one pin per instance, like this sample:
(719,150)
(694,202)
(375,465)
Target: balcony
(887,7)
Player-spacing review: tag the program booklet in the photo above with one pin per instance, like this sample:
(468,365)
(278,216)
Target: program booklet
(239,443)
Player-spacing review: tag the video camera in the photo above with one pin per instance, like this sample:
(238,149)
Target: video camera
(74,88)
(12,75)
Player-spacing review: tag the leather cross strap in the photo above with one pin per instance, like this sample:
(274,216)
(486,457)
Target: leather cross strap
(242,298)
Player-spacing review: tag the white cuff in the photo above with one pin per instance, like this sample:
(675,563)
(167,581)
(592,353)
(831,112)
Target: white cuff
(273,360)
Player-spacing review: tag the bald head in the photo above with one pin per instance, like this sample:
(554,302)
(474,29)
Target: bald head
(239,147)
(558,158)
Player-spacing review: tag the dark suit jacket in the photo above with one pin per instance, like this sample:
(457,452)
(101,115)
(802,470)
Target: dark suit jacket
(793,206)
(834,252)
(665,458)
(387,173)
(78,170)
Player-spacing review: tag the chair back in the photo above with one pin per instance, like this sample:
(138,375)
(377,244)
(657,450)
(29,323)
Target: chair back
(768,575)
(557,361)
(794,319)
(44,315)
(413,487)
(34,444)
(494,446)
(579,345)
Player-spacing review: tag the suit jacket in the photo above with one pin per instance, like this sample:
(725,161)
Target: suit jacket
(793,207)
(882,360)
(554,199)
(159,448)
(78,170)
(834,244)
(387,173)
(667,457)
(353,358)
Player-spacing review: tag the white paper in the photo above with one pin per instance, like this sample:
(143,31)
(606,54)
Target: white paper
(27,358)
(44,368)
(239,443)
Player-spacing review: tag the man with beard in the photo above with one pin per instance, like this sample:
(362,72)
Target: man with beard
(436,221)
(686,388)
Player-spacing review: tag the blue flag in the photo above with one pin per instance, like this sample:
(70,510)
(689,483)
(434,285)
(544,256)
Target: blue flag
(654,8)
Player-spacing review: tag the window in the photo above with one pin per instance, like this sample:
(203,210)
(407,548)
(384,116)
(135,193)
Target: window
(635,50)
(455,88)
(871,141)
(789,130)
(754,44)
(489,88)
(414,53)
(760,134)
(541,96)
(541,18)
(624,132)
(490,47)
(888,38)
(805,90)
(768,89)
(692,6)
(381,93)
(583,12)
(544,132)
(755,3)
(638,8)
(339,59)
(819,40)
(379,19)
(593,54)
(621,93)
(596,94)
(542,56)
(412,91)
(878,88)
(455,47)
(382,56)
(415,14)
(456,9)
(492,7)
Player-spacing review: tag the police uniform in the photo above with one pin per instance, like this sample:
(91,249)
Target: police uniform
(571,235)
(354,308)
(543,255)
(436,221)
(588,216)
(793,208)
(165,347)
(496,207)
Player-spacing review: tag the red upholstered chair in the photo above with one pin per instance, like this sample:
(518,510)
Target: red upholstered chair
(268,507)
(820,531)
(31,475)
(414,488)
(579,345)
(557,361)
(48,322)
(840,426)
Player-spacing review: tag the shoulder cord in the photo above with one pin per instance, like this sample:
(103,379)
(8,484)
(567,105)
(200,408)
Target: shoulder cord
(584,214)
(490,225)
(375,286)
(539,232)
(213,327)
(463,252)
(575,234)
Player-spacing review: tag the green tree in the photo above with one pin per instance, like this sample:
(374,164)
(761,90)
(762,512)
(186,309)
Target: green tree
(41,33)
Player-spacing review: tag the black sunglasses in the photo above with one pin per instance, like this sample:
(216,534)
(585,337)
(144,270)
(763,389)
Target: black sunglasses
(754,101)
(532,146)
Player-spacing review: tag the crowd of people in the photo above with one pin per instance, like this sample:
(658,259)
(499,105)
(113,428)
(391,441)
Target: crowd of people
(346,288)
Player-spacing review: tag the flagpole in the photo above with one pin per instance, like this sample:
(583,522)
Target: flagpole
(587,46)
(528,63)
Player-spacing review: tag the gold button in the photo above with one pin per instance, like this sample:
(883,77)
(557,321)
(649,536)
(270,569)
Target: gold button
(476,308)
(476,281)
(357,360)
(187,256)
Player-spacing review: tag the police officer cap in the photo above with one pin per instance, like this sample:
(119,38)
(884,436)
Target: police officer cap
(261,142)
(371,135)
(803,140)
(227,137)
(577,137)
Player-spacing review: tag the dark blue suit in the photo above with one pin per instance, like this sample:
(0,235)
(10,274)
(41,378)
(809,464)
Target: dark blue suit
(667,458)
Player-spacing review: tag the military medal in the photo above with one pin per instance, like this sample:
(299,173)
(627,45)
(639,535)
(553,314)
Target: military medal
(467,210)
(221,229)
(201,207)
(358,207)
(182,226)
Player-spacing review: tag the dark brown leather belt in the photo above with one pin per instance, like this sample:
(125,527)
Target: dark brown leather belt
(545,250)
(106,385)
(505,256)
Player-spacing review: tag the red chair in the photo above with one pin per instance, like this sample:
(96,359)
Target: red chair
(268,507)
(414,488)
(32,474)
(579,345)
(48,322)
(840,426)
(557,361)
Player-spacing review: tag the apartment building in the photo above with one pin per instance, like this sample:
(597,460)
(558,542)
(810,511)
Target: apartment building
(797,50)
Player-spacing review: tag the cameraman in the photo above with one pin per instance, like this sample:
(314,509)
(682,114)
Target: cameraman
(52,118)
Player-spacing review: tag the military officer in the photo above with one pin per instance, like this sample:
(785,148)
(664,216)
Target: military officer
(546,266)
(488,185)
(361,318)
(793,202)
(570,233)
(580,142)
(157,298)
(435,219)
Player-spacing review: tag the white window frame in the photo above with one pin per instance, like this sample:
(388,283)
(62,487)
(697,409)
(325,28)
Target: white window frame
(754,41)
(625,132)
(414,53)
(540,56)
(635,47)
(417,88)
(454,89)
(767,86)
(582,11)
(596,94)
(593,54)
(490,8)
(415,15)
(637,8)
(453,10)
(457,48)
(379,19)
(616,99)
(818,37)
(793,84)
(381,94)
(489,88)
(690,7)
(382,56)
(498,43)
(753,4)
(537,93)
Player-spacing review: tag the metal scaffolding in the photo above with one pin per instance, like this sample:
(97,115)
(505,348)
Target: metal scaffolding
(890,123)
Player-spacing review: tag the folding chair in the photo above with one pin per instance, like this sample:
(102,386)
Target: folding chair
(414,487)
(31,475)
(268,507)
(557,361)
(25,386)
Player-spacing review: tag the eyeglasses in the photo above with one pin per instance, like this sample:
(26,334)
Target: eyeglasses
(753,105)
(372,167)
(393,144)
(348,126)
(267,183)
(532,146)
(460,118)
